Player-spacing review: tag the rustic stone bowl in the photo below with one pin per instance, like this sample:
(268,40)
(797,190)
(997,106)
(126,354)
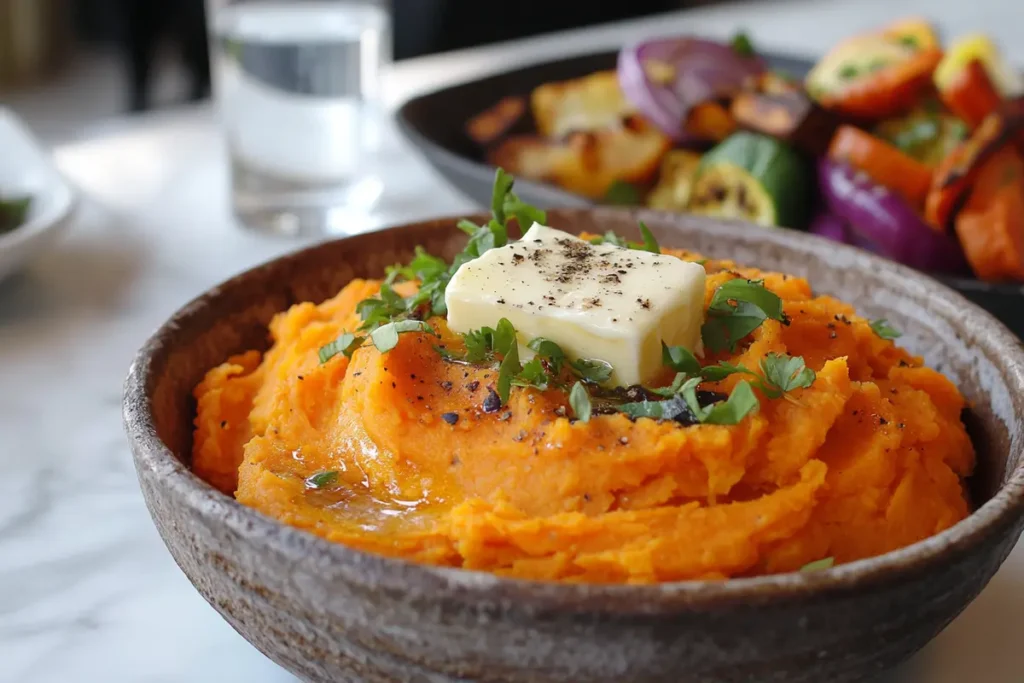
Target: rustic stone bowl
(328,613)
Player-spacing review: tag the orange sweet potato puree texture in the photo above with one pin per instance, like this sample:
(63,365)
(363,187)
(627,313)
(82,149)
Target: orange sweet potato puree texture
(870,458)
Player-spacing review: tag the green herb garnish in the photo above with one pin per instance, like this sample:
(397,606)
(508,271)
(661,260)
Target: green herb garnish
(679,359)
(579,401)
(322,479)
(548,350)
(784,373)
(385,337)
(509,369)
(669,409)
(818,565)
(780,374)
(592,370)
(731,411)
(742,45)
(848,72)
(883,329)
(533,375)
(13,212)
(909,41)
(738,307)
(649,243)
(346,344)
(672,389)
(621,193)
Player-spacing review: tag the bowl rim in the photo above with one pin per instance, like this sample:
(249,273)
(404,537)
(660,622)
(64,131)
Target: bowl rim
(1001,512)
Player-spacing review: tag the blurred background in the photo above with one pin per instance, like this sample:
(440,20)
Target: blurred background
(65,64)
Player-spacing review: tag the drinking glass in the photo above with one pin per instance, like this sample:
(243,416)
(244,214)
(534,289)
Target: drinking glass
(297,84)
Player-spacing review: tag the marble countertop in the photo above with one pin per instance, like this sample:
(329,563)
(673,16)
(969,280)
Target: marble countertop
(87,590)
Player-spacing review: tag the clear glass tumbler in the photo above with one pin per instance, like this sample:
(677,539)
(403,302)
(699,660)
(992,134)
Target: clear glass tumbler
(297,84)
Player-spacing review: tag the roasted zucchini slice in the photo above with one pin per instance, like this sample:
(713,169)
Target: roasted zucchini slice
(755,178)
(675,181)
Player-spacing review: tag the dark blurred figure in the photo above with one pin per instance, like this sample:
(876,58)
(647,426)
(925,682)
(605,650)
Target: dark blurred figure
(427,26)
(150,23)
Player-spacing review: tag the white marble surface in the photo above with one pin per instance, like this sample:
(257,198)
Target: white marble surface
(87,591)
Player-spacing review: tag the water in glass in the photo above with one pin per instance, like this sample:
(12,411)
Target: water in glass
(298,85)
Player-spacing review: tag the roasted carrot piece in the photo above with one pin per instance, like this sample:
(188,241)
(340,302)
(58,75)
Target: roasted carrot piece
(872,78)
(990,226)
(955,174)
(970,94)
(884,163)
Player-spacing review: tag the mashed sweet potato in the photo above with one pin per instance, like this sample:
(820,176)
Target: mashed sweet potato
(869,458)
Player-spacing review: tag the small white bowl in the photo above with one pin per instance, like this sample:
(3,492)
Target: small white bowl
(28,169)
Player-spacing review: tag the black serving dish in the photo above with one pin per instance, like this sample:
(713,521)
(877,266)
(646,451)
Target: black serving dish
(434,123)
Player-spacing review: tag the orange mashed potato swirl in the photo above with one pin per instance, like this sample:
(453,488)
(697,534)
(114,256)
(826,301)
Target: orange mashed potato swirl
(871,457)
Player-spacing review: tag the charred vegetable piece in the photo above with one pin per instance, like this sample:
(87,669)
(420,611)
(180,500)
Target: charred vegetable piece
(753,177)
(977,47)
(913,32)
(954,175)
(709,121)
(13,212)
(667,78)
(872,77)
(791,116)
(585,163)
(970,93)
(883,219)
(882,162)
(990,226)
(675,182)
(498,121)
(591,103)
(924,135)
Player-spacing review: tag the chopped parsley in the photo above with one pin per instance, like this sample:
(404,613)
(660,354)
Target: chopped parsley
(779,375)
(649,243)
(738,307)
(579,401)
(741,402)
(322,480)
(883,329)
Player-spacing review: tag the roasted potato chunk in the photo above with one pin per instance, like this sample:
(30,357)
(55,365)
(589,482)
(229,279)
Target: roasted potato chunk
(591,103)
(585,163)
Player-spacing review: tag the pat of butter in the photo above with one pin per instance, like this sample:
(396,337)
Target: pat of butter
(595,301)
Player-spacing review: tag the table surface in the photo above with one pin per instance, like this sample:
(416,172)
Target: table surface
(87,590)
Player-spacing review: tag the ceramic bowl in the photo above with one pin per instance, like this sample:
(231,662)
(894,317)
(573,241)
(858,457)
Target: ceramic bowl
(328,613)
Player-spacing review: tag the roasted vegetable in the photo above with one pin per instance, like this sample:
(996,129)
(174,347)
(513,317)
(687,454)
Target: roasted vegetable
(882,162)
(498,121)
(675,181)
(913,32)
(873,77)
(591,103)
(954,175)
(709,122)
(790,116)
(885,220)
(830,226)
(990,225)
(1006,78)
(925,135)
(970,93)
(665,79)
(755,178)
(586,163)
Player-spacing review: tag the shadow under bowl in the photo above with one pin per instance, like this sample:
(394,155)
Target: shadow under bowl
(330,613)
